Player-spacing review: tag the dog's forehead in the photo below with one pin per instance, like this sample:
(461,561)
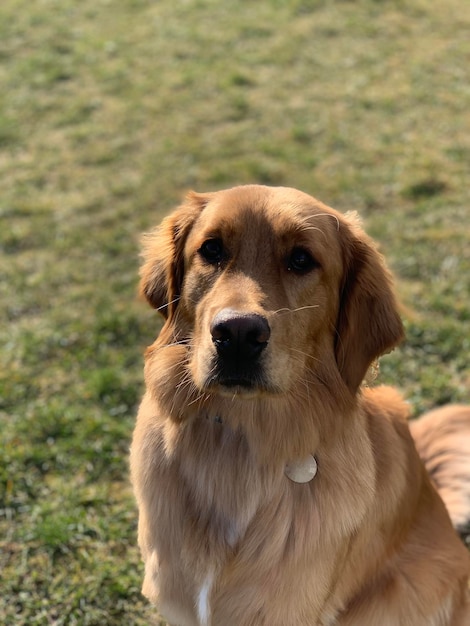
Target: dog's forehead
(277,210)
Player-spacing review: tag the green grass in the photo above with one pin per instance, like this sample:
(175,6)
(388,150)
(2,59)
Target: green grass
(108,113)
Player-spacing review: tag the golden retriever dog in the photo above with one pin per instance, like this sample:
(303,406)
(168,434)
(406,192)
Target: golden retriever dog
(274,489)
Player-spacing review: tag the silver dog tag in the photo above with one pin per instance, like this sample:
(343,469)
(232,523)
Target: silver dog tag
(302,471)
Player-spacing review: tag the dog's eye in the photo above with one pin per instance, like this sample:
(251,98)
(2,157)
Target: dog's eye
(300,261)
(212,250)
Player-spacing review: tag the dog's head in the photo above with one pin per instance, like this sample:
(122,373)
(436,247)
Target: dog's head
(268,288)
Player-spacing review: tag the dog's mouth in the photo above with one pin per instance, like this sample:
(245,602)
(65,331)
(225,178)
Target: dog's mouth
(233,380)
(244,383)
(247,382)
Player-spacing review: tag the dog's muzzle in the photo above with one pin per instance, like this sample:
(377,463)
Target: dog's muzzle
(239,339)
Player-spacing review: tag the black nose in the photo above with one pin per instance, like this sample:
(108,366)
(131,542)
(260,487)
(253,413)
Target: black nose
(239,336)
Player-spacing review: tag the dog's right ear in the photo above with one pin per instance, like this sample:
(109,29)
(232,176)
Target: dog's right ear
(162,272)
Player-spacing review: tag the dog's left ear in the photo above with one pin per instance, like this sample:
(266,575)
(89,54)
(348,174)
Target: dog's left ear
(368,321)
(162,273)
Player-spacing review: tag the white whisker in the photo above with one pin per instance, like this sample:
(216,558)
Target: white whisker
(311,217)
(168,303)
(196,399)
(300,308)
(305,228)
(309,356)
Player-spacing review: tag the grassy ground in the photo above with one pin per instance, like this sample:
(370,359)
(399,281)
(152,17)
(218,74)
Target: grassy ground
(108,112)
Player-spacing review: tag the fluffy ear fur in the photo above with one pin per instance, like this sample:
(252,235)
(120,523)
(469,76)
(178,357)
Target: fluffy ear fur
(161,274)
(368,322)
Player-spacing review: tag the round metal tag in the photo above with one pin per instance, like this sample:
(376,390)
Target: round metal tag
(302,471)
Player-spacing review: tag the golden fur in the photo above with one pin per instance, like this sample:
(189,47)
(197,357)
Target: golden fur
(442,438)
(275,306)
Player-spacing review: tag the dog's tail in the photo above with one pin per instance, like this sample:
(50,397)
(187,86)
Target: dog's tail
(442,438)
